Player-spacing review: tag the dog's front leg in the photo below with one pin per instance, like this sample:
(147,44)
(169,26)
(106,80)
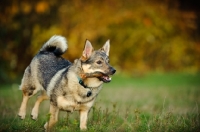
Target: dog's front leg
(53,118)
(83,119)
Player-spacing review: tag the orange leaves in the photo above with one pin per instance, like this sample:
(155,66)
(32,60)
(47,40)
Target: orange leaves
(26,7)
(42,7)
(145,35)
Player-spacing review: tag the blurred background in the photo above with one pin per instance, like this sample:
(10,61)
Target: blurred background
(146,36)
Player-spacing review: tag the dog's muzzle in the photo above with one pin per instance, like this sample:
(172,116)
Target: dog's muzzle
(106,76)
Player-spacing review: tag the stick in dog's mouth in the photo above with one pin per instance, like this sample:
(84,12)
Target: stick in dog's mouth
(101,76)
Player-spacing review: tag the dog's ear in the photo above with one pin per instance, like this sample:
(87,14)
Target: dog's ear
(106,47)
(87,52)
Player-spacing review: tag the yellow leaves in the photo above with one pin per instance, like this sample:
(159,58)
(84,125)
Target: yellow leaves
(41,35)
(147,22)
(14,9)
(26,7)
(144,35)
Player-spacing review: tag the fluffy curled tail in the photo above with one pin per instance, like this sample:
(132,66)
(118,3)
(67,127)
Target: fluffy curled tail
(56,44)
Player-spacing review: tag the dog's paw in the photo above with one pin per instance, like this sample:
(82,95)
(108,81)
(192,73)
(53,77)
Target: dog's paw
(34,115)
(83,128)
(46,125)
(21,115)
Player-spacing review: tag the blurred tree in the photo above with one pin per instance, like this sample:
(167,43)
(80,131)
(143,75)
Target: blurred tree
(145,35)
(18,20)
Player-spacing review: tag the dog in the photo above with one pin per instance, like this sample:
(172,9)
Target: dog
(69,86)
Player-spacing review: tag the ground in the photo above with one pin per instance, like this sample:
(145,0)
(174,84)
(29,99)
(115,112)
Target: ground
(154,102)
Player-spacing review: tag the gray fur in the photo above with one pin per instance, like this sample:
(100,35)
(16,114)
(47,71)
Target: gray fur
(49,65)
(49,72)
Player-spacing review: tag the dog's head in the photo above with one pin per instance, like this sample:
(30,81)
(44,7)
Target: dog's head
(97,61)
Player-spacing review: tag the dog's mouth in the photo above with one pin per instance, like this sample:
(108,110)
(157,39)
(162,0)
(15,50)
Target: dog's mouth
(101,76)
(105,78)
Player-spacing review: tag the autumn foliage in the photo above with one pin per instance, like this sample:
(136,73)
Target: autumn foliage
(144,35)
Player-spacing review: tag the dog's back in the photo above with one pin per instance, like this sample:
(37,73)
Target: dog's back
(45,65)
(39,73)
(48,65)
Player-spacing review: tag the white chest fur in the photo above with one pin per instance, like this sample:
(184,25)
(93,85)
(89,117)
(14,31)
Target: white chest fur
(68,104)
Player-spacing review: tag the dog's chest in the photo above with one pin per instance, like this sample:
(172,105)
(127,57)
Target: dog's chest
(70,105)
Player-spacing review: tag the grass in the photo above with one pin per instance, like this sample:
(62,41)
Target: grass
(155,102)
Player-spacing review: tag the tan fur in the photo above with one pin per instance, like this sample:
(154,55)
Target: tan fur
(53,118)
(22,110)
(25,87)
(86,69)
(35,109)
(53,81)
(34,72)
(61,82)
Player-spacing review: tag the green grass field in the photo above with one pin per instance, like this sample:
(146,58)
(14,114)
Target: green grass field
(153,103)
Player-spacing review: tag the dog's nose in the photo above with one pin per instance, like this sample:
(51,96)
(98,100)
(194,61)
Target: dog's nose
(113,71)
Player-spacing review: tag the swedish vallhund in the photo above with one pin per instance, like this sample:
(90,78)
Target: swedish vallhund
(69,86)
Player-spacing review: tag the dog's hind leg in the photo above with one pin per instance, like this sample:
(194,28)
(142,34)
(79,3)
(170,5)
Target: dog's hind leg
(22,110)
(53,118)
(27,93)
(40,98)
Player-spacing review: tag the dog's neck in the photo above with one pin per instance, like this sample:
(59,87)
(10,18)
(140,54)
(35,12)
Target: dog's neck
(85,85)
(80,80)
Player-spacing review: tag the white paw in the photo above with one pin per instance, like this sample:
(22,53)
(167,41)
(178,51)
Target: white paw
(22,115)
(46,127)
(34,115)
(83,128)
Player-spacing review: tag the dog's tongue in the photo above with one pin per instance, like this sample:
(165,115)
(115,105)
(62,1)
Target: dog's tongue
(106,78)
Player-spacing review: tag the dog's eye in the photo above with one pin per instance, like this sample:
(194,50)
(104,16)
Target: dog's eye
(99,62)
